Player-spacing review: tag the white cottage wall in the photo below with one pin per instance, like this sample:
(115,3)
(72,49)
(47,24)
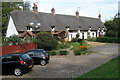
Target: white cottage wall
(11,30)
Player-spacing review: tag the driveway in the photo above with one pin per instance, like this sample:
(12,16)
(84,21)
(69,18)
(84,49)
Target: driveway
(72,66)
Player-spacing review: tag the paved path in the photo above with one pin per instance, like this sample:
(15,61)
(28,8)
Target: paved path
(71,66)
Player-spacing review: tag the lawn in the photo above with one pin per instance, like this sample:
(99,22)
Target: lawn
(107,70)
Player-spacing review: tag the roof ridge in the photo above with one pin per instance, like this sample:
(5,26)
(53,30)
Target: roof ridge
(57,14)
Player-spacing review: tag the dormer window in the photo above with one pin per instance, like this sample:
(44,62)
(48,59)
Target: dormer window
(99,28)
(79,27)
(67,28)
(53,28)
(103,28)
(89,27)
(28,28)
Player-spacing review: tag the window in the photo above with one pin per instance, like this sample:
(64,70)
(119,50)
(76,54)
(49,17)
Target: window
(28,27)
(38,53)
(93,34)
(6,59)
(88,33)
(30,53)
(25,56)
(15,58)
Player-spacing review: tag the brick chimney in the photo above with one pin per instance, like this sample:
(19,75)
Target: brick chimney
(35,8)
(99,16)
(77,14)
(53,11)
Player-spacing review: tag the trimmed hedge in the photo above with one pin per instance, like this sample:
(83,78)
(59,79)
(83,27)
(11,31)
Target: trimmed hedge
(52,53)
(55,53)
(64,52)
(108,40)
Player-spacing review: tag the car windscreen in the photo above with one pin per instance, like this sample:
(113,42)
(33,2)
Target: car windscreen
(25,56)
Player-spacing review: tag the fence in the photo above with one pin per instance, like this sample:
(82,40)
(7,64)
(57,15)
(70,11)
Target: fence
(17,48)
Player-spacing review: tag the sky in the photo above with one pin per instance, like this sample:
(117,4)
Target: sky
(88,8)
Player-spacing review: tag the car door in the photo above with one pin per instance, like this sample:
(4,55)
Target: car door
(6,64)
(31,54)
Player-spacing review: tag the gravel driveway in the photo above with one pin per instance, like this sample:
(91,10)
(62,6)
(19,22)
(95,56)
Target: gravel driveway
(72,66)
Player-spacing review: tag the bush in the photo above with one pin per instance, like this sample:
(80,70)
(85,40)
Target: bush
(108,39)
(52,53)
(46,41)
(64,52)
(12,40)
(76,40)
(80,50)
(62,46)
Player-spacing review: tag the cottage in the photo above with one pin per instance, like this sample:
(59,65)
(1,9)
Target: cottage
(21,21)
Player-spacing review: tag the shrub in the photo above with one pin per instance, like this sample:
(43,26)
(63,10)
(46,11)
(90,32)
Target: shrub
(76,40)
(64,52)
(80,50)
(64,45)
(52,53)
(108,39)
(46,41)
(12,40)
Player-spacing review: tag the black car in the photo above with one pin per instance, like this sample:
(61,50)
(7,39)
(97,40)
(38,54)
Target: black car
(16,63)
(39,56)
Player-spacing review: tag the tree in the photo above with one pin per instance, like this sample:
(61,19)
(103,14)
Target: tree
(12,40)
(112,27)
(46,41)
(7,7)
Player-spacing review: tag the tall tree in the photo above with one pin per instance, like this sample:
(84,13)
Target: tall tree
(113,28)
(7,7)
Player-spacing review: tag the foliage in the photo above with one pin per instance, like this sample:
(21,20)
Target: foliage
(76,39)
(112,27)
(7,7)
(64,52)
(46,41)
(80,50)
(77,35)
(108,39)
(52,53)
(107,70)
(12,40)
(63,45)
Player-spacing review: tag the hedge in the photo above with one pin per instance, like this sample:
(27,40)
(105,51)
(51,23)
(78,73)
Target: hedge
(108,40)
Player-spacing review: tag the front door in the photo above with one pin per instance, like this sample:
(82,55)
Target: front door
(82,35)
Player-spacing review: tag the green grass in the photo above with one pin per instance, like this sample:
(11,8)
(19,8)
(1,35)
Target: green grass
(74,44)
(107,70)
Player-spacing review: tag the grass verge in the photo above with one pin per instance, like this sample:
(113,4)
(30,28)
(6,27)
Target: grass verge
(107,70)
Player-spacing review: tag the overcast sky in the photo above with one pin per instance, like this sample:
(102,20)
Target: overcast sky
(89,8)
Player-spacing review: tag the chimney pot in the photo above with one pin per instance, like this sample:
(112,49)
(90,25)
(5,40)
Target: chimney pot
(53,11)
(77,14)
(35,8)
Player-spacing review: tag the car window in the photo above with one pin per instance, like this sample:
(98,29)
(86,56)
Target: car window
(1,59)
(30,53)
(6,59)
(15,58)
(38,53)
(25,56)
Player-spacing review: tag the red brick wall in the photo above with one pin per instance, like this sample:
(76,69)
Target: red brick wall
(17,48)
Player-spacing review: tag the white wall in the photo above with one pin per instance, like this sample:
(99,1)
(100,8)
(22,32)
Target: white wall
(81,34)
(11,29)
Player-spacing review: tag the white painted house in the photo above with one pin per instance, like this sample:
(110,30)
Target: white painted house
(20,21)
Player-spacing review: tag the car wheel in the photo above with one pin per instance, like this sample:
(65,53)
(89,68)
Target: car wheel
(18,72)
(42,62)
